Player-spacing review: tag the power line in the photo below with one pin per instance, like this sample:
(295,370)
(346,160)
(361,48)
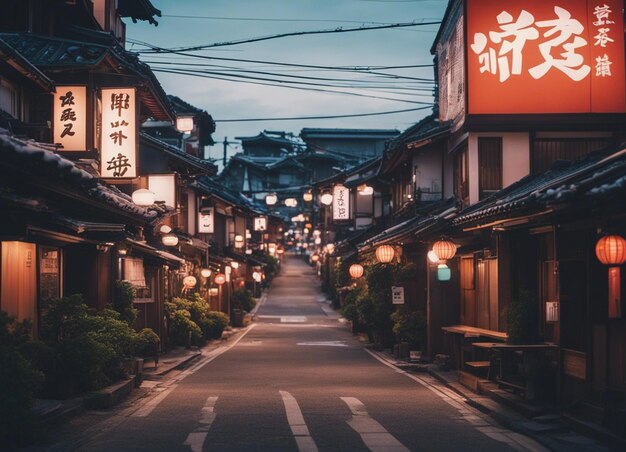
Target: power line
(290,34)
(356,115)
(225,70)
(279,84)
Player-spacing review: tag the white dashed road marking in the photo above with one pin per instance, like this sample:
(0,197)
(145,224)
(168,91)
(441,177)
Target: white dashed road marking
(374,435)
(325,343)
(195,440)
(296,422)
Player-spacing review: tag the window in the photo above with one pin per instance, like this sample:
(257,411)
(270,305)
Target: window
(10,98)
(461,176)
(546,151)
(490,165)
(142,279)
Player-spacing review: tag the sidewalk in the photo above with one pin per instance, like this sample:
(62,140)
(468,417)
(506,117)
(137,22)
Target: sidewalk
(51,412)
(549,429)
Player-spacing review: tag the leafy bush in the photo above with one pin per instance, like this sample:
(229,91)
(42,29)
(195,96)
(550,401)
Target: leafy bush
(88,347)
(214,324)
(349,309)
(147,343)
(18,382)
(522,318)
(182,328)
(409,326)
(124,298)
(242,299)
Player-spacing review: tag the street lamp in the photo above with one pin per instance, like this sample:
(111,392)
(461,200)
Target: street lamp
(271,199)
(326,199)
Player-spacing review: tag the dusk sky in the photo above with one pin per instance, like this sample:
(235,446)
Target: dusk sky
(206,23)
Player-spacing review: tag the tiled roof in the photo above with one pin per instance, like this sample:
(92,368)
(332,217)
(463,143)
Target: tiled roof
(46,164)
(46,53)
(204,165)
(17,60)
(598,175)
(138,10)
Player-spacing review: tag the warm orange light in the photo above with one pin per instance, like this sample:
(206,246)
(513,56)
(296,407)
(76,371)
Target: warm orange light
(315,258)
(385,253)
(444,249)
(356,271)
(220,279)
(611,250)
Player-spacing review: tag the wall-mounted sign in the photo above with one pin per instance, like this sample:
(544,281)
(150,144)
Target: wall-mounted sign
(260,224)
(545,56)
(119,133)
(397,295)
(205,221)
(164,188)
(70,118)
(341,203)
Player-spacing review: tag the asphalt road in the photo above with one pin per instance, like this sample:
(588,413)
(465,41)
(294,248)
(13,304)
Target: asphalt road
(296,380)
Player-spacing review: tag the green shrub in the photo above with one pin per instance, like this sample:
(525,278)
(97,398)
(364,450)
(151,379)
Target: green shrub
(409,326)
(213,324)
(123,301)
(349,309)
(522,318)
(18,382)
(147,343)
(242,299)
(182,328)
(89,347)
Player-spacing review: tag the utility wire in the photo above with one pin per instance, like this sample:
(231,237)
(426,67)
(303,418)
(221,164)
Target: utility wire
(226,71)
(356,115)
(290,34)
(202,75)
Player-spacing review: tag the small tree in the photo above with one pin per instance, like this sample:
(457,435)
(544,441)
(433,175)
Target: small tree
(123,302)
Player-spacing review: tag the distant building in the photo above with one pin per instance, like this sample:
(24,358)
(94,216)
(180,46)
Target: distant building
(353,145)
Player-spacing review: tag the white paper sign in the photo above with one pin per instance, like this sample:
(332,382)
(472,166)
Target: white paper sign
(70,118)
(164,188)
(397,295)
(260,224)
(119,133)
(341,203)
(205,221)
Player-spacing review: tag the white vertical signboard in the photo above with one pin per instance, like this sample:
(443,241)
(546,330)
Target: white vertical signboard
(341,203)
(205,221)
(397,295)
(119,133)
(260,224)
(70,118)
(164,188)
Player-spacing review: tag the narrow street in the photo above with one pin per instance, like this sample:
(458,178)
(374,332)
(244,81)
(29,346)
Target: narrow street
(296,380)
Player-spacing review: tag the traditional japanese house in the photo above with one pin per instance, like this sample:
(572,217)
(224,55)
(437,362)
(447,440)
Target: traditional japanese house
(544,121)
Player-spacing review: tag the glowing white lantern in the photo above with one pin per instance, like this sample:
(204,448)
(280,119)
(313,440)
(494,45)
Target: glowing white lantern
(143,197)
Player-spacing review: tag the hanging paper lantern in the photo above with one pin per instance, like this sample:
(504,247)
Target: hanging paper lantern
(220,279)
(444,249)
(611,250)
(169,239)
(143,197)
(307,197)
(256,276)
(190,281)
(356,271)
(326,199)
(205,272)
(271,199)
(315,258)
(385,253)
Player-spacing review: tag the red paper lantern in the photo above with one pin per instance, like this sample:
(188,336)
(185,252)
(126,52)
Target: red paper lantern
(356,271)
(444,249)
(611,250)
(220,279)
(385,253)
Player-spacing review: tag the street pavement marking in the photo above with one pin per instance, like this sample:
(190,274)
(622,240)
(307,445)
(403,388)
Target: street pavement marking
(196,439)
(152,403)
(296,422)
(512,439)
(325,343)
(285,318)
(374,435)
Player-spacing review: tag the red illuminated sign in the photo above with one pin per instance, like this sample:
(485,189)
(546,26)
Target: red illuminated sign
(545,56)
